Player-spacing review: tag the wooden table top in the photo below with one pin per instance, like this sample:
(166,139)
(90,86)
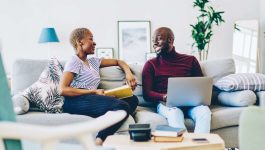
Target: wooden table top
(123,142)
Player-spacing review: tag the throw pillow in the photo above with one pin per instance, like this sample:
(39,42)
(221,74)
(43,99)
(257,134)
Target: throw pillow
(237,98)
(242,81)
(44,93)
(20,104)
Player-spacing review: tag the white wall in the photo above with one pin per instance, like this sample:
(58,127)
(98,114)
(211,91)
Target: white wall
(22,21)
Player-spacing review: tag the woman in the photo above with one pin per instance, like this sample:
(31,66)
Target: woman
(81,79)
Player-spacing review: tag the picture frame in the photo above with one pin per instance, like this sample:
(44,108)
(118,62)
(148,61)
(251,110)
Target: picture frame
(106,53)
(134,40)
(150,55)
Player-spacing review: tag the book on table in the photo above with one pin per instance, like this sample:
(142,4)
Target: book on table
(120,92)
(168,139)
(167,131)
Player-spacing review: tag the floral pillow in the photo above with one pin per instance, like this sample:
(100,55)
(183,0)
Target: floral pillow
(44,93)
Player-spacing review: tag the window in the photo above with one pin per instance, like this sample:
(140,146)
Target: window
(245,49)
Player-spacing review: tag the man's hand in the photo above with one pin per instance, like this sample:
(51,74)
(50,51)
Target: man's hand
(131,81)
(99,92)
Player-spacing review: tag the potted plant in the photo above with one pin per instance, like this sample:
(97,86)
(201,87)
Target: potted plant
(202,29)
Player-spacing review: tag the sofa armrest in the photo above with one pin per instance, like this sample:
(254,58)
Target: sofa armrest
(261,98)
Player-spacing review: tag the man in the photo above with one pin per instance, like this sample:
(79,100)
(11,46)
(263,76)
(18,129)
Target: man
(169,63)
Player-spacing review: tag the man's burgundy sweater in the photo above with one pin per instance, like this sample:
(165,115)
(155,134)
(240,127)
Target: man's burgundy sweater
(157,71)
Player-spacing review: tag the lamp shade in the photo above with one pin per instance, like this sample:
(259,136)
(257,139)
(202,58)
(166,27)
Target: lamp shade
(48,35)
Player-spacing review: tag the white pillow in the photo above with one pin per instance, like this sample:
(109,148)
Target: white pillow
(44,93)
(21,104)
(237,98)
(242,81)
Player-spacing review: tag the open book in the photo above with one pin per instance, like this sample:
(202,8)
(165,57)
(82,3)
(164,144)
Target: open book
(120,92)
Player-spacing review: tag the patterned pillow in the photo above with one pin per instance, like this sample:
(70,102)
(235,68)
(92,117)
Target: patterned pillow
(242,81)
(44,93)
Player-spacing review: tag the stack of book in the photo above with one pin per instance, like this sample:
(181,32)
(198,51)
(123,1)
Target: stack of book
(164,133)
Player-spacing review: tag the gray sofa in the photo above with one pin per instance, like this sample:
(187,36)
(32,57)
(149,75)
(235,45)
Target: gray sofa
(224,119)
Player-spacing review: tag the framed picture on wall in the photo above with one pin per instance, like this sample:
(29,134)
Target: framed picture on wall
(150,56)
(134,38)
(104,53)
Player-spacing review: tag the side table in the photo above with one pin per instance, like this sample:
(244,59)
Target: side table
(122,142)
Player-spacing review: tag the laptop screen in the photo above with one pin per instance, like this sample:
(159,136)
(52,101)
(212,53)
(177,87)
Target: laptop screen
(189,91)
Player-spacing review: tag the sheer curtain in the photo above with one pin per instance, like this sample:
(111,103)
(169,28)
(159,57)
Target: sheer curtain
(261,56)
(258,61)
(261,51)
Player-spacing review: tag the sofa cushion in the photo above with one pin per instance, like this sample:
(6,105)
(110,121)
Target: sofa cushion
(125,125)
(221,117)
(25,72)
(137,71)
(242,81)
(110,84)
(113,73)
(148,115)
(237,98)
(225,116)
(218,68)
(44,93)
(152,118)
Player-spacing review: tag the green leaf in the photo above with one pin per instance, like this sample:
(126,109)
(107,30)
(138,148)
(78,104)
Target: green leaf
(202,30)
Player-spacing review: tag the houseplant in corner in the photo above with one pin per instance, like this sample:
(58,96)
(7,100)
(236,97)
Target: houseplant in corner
(202,29)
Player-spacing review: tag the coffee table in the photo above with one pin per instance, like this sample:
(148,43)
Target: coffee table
(123,142)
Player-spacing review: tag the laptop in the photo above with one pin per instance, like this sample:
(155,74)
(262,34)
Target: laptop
(189,91)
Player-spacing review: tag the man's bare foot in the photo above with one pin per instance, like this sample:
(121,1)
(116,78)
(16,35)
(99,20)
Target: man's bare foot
(99,141)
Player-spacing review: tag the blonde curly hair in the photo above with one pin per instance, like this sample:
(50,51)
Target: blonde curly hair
(77,35)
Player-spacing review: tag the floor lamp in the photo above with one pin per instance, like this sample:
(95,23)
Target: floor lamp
(48,35)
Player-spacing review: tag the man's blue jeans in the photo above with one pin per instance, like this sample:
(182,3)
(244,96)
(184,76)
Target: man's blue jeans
(201,115)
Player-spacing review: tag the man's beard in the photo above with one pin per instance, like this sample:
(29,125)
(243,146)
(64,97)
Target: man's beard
(164,50)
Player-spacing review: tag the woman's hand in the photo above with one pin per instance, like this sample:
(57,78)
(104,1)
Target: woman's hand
(131,81)
(99,92)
